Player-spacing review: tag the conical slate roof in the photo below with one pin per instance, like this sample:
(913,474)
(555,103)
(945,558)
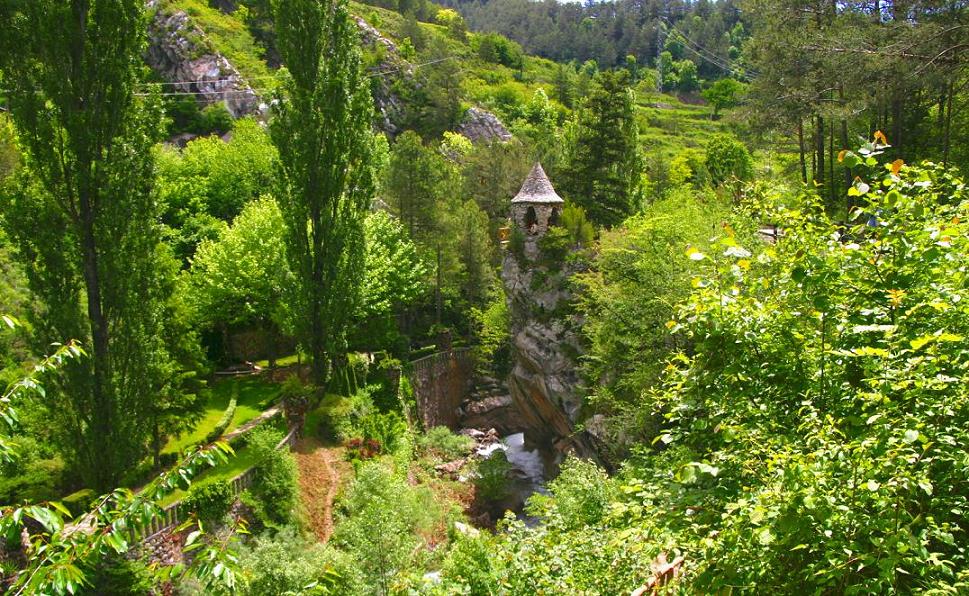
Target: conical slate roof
(537,188)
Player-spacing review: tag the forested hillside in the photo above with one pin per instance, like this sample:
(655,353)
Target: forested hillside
(483,297)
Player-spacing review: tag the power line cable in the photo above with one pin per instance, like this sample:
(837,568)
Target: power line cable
(710,56)
(245,80)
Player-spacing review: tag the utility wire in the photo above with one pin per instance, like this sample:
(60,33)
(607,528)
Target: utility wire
(245,80)
(709,55)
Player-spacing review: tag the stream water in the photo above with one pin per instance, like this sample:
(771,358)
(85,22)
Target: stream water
(528,469)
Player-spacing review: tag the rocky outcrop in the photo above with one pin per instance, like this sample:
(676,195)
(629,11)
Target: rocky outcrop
(483,126)
(391,69)
(544,382)
(179,52)
(491,406)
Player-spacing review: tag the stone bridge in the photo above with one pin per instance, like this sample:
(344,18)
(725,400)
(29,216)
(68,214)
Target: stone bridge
(441,382)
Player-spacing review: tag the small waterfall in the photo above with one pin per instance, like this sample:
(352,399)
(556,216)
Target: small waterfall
(528,471)
(528,465)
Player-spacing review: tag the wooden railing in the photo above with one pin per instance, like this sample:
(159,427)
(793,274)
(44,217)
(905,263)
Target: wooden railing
(176,513)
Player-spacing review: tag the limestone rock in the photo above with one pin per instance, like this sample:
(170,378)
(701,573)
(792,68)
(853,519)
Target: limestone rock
(481,125)
(393,68)
(497,411)
(544,382)
(179,52)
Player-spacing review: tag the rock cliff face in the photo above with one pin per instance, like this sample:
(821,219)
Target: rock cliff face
(392,68)
(179,53)
(481,125)
(544,381)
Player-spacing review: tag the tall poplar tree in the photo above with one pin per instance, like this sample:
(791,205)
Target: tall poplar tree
(604,163)
(86,220)
(322,128)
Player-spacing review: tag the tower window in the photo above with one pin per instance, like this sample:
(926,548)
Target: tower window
(531,221)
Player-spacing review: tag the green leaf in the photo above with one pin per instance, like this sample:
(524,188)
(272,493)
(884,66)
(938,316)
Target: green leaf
(911,436)
(765,537)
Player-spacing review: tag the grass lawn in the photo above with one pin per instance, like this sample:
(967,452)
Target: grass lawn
(237,464)
(254,395)
(281,362)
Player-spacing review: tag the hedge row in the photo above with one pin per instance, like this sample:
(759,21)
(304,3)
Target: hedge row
(225,420)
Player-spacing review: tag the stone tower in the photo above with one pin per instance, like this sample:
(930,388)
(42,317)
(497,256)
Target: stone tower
(536,206)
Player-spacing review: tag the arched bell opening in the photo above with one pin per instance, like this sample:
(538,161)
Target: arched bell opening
(553,218)
(531,221)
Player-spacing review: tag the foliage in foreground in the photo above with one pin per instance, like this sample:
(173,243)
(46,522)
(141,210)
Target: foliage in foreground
(816,437)
(382,518)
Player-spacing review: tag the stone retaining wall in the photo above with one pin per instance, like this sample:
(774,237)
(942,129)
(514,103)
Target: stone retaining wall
(441,382)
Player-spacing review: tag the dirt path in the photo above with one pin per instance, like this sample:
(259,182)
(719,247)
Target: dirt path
(319,482)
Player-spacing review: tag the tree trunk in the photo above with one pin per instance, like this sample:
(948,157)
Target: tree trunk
(318,364)
(270,331)
(819,150)
(832,188)
(844,145)
(104,415)
(947,134)
(896,139)
(800,146)
(156,443)
(437,289)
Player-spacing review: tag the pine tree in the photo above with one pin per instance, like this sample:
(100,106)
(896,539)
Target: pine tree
(604,171)
(327,147)
(415,185)
(565,85)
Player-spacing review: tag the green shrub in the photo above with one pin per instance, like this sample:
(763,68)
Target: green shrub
(442,443)
(493,336)
(384,393)
(641,273)
(362,420)
(34,480)
(491,478)
(116,575)
(260,519)
(728,159)
(386,428)
(276,480)
(379,523)
(582,493)
(36,474)
(556,245)
(498,49)
(471,563)
(226,419)
(355,407)
(168,459)
(210,502)
(285,563)
(581,230)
